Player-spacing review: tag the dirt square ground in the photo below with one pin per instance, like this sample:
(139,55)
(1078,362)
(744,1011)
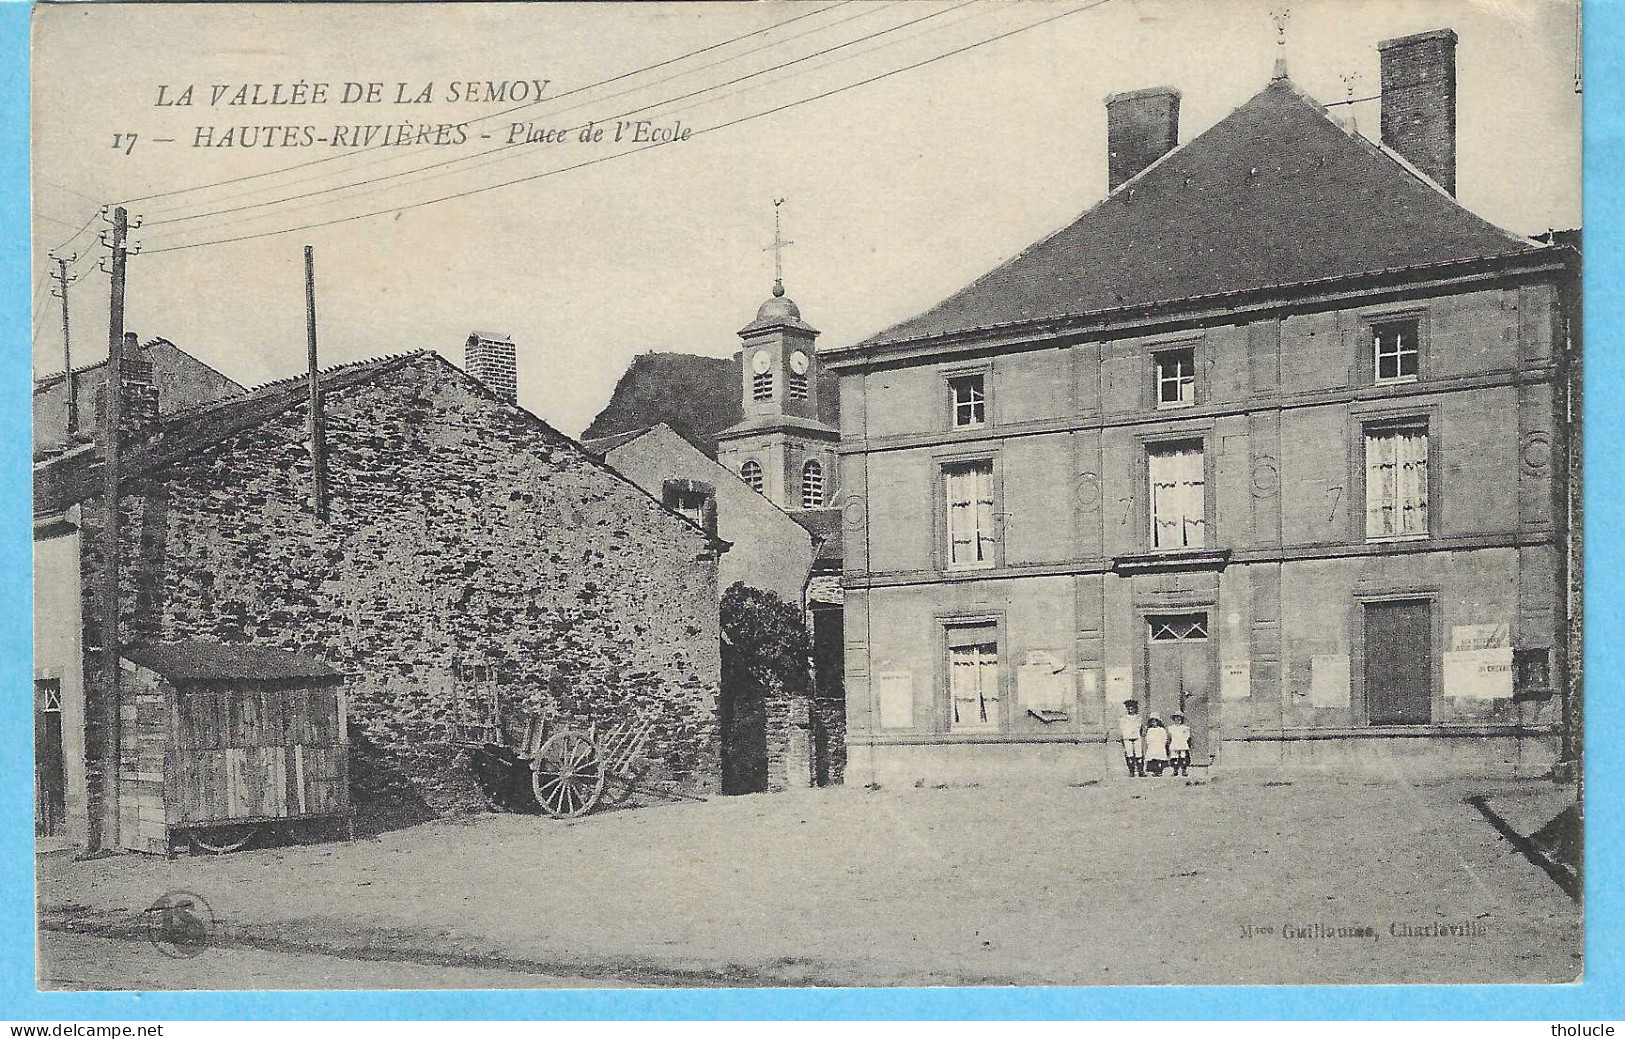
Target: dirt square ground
(1237,879)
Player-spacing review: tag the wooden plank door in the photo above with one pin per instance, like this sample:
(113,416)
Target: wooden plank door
(1399,663)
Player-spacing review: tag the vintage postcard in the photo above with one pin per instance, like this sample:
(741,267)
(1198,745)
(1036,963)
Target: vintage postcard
(829,493)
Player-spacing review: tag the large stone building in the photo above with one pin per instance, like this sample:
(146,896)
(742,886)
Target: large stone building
(468,564)
(1274,435)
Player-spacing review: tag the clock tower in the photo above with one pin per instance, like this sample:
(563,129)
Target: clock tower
(781,447)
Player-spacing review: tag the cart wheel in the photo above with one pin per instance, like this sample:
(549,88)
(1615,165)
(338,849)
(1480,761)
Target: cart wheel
(568,775)
(619,787)
(224,839)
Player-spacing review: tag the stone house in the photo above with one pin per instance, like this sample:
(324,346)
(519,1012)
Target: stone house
(67,405)
(1274,435)
(471,564)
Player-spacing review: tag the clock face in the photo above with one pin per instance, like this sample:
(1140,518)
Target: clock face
(761,361)
(798,363)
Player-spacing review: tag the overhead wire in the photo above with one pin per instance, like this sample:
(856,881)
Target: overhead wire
(510,149)
(495,115)
(397,157)
(1093,4)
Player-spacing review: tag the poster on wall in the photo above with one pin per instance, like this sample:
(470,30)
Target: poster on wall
(894,699)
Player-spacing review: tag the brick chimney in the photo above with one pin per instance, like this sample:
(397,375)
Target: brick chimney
(1419,102)
(1141,127)
(490,358)
(139,405)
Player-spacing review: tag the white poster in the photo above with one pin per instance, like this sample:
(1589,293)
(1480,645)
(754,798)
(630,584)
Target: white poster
(1479,674)
(1235,680)
(1042,683)
(1329,680)
(894,699)
(1465,637)
(1119,684)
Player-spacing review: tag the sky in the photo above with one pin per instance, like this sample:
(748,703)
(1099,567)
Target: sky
(897,192)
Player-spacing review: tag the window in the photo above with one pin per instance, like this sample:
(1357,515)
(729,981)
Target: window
(969,396)
(973,682)
(1396,481)
(812,485)
(761,386)
(690,504)
(1396,350)
(1531,671)
(1179,627)
(1176,378)
(751,473)
(968,495)
(1178,495)
(798,385)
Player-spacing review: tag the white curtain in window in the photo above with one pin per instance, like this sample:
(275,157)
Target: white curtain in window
(973,683)
(1396,482)
(969,496)
(1178,497)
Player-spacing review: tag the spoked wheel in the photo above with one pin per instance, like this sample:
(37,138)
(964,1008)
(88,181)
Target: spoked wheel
(568,775)
(223,840)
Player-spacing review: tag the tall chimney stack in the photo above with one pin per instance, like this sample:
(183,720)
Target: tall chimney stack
(489,357)
(1419,102)
(1141,127)
(138,412)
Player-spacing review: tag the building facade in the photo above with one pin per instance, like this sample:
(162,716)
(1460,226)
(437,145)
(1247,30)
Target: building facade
(471,565)
(1273,436)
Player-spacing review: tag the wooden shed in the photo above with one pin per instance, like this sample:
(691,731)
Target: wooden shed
(221,743)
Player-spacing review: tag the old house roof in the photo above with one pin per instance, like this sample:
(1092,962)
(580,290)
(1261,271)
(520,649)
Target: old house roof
(1275,194)
(826,528)
(194,661)
(697,396)
(602,446)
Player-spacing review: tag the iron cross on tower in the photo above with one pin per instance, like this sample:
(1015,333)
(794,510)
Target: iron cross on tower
(778,247)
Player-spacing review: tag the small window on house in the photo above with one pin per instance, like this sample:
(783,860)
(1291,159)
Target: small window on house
(973,683)
(761,386)
(1396,481)
(812,485)
(690,504)
(1532,671)
(968,496)
(1179,627)
(1176,378)
(969,397)
(797,385)
(1396,350)
(751,473)
(1178,478)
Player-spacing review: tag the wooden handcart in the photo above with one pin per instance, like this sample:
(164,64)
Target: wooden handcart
(564,772)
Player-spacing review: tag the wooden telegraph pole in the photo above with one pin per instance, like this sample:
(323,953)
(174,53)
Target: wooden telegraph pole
(62,281)
(318,450)
(106,838)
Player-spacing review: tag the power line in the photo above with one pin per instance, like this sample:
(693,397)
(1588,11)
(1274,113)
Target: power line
(592,162)
(521,144)
(495,115)
(64,187)
(867,10)
(492,155)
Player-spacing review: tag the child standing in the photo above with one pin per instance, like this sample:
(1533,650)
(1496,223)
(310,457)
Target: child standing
(1156,746)
(1128,727)
(1179,745)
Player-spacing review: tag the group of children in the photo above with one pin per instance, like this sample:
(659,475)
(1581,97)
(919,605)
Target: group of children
(1156,747)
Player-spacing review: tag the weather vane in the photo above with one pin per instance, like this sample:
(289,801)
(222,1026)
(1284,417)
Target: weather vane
(778,247)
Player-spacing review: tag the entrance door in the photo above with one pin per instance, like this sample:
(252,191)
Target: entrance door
(1399,662)
(50,776)
(1179,676)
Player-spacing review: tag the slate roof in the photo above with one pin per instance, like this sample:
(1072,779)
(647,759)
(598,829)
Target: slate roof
(77,476)
(825,527)
(1275,194)
(194,661)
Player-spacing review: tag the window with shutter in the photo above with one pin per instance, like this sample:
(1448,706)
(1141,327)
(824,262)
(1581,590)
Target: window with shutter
(968,496)
(1396,482)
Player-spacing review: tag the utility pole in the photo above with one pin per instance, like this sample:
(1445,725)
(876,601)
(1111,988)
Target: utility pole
(318,450)
(106,838)
(67,344)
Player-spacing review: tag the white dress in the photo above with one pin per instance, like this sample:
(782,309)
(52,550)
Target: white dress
(1156,744)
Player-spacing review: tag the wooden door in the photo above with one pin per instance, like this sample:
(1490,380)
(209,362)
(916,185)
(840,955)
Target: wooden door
(1179,675)
(50,774)
(1399,663)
